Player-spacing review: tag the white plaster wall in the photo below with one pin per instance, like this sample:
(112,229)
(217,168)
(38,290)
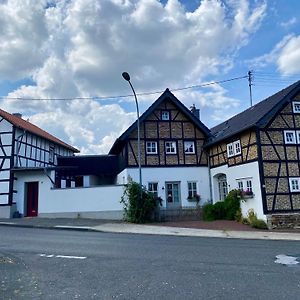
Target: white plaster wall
(22,178)
(93,199)
(179,174)
(249,170)
(77,200)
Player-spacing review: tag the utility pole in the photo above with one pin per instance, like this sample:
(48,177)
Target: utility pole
(250,80)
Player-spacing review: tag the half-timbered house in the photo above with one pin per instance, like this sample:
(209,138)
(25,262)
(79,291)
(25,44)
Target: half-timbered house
(258,151)
(24,147)
(174,165)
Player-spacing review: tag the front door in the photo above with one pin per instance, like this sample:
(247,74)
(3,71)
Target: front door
(32,198)
(173,194)
(223,189)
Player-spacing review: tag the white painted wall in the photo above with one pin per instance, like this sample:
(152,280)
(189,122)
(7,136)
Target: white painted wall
(6,140)
(179,174)
(64,202)
(249,170)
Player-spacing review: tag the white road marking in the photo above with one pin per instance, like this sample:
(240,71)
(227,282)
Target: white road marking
(70,256)
(286,260)
(61,256)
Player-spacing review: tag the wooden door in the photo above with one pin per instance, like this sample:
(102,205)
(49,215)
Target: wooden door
(32,198)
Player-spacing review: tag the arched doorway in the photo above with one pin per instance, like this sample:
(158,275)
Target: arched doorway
(220,187)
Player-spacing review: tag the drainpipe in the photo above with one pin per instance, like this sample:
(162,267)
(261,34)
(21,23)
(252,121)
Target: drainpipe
(209,177)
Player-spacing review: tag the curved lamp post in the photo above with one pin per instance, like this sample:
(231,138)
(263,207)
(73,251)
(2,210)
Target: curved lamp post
(126,76)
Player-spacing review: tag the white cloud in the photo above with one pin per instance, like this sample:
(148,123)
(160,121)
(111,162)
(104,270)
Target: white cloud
(81,47)
(285,55)
(287,24)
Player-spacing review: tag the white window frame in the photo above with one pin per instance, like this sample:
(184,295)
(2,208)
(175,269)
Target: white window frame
(237,147)
(230,150)
(245,184)
(298,136)
(151,147)
(187,149)
(170,145)
(241,185)
(192,189)
(286,132)
(153,188)
(165,115)
(296,107)
(294,184)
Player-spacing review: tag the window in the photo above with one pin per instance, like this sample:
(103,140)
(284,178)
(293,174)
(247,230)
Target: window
(289,137)
(192,189)
(240,185)
(296,107)
(245,185)
(234,148)
(152,187)
(298,136)
(249,185)
(189,147)
(294,184)
(237,147)
(230,150)
(151,147)
(51,154)
(170,147)
(165,115)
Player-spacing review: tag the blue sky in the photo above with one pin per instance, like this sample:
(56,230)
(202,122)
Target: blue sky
(79,48)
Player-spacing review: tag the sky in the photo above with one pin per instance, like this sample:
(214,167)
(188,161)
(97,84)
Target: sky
(75,49)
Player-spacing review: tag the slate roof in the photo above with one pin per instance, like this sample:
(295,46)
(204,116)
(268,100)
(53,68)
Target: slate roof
(258,115)
(117,146)
(25,125)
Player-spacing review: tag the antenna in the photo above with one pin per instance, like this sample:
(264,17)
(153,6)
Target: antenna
(250,80)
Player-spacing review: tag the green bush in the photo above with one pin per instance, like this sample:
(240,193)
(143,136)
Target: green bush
(255,222)
(208,212)
(260,224)
(220,210)
(137,209)
(238,215)
(232,204)
(223,210)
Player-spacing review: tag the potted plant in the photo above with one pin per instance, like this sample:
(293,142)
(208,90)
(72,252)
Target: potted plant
(195,197)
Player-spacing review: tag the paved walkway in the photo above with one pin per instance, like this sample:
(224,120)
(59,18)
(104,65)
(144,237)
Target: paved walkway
(230,229)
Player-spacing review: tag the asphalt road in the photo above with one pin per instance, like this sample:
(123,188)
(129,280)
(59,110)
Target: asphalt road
(58,264)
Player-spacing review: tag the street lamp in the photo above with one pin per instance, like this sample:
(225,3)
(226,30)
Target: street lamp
(126,76)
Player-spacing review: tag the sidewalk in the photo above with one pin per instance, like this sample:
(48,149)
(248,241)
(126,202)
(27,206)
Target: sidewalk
(230,229)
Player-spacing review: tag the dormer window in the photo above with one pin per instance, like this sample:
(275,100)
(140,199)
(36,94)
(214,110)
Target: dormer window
(296,107)
(165,115)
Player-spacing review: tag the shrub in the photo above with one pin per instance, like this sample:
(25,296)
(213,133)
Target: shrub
(255,222)
(260,224)
(137,210)
(245,221)
(232,204)
(238,215)
(220,210)
(208,212)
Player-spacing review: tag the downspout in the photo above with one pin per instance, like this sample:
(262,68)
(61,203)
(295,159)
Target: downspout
(209,177)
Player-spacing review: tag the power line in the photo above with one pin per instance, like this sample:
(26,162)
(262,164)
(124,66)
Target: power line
(126,96)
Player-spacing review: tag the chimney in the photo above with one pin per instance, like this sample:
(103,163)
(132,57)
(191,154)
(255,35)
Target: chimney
(18,115)
(195,111)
